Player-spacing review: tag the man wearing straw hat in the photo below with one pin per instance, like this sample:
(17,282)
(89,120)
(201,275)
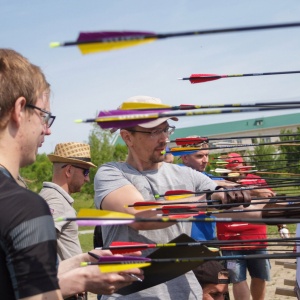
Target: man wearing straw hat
(71,167)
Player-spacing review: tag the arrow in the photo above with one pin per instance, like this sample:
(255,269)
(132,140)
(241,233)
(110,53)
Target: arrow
(91,42)
(220,170)
(199,140)
(156,204)
(199,78)
(129,118)
(193,210)
(179,151)
(165,107)
(147,261)
(267,154)
(120,247)
(169,194)
(95,221)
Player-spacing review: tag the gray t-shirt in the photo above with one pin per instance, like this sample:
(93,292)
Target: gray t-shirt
(114,175)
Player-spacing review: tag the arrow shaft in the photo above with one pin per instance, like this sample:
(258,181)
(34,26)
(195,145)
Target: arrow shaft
(188,220)
(205,258)
(121,120)
(187,141)
(128,36)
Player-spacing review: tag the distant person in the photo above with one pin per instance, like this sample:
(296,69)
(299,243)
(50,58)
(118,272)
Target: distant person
(259,269)
(214,279)
(71,167)
(198,160)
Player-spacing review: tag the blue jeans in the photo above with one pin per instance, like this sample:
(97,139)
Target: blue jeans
(258,268)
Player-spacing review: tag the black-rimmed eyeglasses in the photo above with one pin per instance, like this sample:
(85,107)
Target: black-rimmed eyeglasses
(157,132)
(47,118)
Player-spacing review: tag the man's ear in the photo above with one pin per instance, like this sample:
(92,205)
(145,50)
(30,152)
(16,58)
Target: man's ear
(127,137)
(67,171)
(18,110)
(183,158)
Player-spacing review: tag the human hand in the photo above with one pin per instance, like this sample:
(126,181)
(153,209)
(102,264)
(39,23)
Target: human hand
(232,196)
(109,283)
(263,193)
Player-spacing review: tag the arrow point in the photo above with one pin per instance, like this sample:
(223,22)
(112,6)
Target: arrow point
(54,44)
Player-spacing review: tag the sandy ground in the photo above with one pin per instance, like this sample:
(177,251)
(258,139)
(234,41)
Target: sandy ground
(278,274)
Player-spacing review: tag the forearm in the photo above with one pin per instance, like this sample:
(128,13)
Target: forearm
(72,282)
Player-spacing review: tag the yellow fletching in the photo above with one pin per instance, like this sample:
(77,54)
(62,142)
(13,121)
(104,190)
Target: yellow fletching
(185,148)
(139,105)
(102,47)
(107,268)
(93,213)
(177,197)
(145,207)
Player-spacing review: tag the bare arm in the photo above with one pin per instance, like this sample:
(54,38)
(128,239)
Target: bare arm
(52,295)
(127,195)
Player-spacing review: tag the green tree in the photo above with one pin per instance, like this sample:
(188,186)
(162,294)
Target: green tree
(291,152)
(102,151)
(266,158)
(39,171)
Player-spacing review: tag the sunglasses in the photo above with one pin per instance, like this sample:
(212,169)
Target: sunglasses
(86,172)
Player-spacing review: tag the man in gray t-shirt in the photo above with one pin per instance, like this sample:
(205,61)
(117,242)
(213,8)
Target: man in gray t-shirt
(143,175)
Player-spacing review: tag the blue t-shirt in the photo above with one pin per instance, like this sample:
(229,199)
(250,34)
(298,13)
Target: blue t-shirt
(205,231)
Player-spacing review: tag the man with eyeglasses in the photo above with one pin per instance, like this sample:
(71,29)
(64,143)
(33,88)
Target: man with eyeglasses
(71,167)
(139,178)
(28,257)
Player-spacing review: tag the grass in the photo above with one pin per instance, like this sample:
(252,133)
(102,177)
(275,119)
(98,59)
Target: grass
(86,241)
(85,201)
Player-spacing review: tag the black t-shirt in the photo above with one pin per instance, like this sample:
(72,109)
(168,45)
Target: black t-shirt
(28,259)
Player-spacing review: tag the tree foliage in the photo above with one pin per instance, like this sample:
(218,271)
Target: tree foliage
(266,158)
(291,152)
(35,174)
(102,151)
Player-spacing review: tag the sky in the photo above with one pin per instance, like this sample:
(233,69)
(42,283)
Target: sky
(83,85)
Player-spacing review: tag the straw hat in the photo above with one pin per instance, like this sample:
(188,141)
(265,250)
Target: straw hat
(152,100)
(72,153)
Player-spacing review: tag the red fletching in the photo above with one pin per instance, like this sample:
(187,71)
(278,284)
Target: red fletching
(198,78)
(182,216)
(128,247)
(190,141)
(168,209)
